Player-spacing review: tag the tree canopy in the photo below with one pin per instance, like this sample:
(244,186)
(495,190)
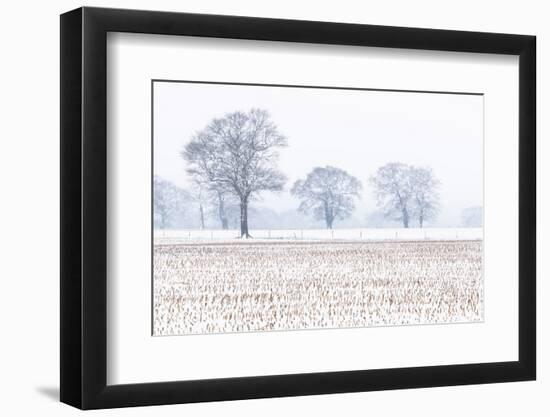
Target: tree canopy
(328,193)
(237,154)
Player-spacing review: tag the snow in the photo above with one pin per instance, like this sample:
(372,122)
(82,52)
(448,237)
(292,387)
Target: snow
(282,285)
(357,234)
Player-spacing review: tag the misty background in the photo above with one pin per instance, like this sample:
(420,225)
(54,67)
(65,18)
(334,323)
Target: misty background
(358,131)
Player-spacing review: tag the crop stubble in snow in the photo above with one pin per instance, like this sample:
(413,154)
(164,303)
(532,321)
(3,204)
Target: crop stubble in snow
(256,286)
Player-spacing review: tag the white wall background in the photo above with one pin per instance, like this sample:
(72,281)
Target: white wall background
(29,173)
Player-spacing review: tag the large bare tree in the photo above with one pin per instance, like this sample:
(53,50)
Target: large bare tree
(394,193)
(237,154)
(425,194)
(329,193)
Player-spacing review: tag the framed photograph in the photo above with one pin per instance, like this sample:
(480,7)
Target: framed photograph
(258,208)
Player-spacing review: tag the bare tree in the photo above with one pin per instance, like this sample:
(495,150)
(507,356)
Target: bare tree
(472,216)
(393,189)
(404,192)
(237,154)
(328,193)
(169,202)
(200,196)
(425,194)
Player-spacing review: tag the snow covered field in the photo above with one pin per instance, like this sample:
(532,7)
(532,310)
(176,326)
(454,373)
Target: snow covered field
(264,285)
(184,236)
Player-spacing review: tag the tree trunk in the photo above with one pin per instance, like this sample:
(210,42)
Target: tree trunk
(405,218)
(221,212)
(328,216)
(201,210)
(244,218)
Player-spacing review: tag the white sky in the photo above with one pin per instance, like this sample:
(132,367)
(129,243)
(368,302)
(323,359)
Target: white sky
(358,131)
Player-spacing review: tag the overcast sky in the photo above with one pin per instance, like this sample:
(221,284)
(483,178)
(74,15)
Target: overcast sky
(358,131)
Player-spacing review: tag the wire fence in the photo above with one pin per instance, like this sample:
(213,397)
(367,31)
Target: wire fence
(414,234)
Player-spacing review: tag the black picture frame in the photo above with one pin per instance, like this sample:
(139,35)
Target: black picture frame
(84,208)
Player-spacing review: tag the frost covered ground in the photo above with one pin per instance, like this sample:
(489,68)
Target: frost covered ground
(233,285)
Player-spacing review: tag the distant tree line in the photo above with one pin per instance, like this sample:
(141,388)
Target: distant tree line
(169,203)
(472,216)
(233,159)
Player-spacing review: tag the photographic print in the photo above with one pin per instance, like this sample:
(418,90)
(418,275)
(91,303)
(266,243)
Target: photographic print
(279,208)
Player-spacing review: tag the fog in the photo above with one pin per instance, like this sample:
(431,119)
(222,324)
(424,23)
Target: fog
(358,131)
